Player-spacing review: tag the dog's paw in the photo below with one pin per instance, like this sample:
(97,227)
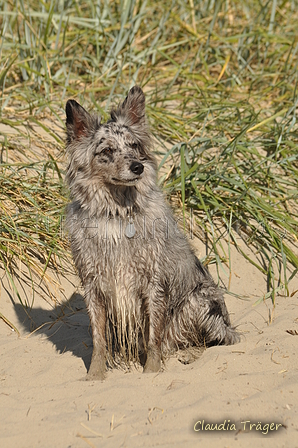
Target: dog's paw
(190,354)
(97,371)
(96,376)
(153,364)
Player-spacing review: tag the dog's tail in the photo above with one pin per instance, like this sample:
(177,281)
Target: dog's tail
(232,336)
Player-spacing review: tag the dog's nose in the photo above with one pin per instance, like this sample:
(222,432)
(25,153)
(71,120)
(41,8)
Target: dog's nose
(136,168)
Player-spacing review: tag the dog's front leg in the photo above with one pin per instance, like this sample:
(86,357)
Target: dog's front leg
(97,314)
(156,314)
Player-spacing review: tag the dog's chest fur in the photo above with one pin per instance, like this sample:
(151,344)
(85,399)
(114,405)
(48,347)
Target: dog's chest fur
(122,267)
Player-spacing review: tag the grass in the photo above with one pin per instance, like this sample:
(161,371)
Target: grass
(221,85)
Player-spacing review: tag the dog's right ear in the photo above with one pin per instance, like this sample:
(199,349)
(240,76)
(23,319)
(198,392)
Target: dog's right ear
(78,120)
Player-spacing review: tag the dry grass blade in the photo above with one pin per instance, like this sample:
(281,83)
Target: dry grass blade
(292,332)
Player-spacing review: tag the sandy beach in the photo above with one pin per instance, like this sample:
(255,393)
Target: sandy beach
(231,396)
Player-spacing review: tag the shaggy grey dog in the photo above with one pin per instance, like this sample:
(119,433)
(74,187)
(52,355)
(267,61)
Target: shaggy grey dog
(146,292)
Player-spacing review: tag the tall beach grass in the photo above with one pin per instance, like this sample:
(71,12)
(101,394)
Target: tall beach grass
(221,85)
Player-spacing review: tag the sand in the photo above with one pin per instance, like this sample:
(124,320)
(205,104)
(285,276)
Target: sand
(45,401)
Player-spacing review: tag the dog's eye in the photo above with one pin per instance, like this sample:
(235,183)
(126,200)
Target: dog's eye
(134,146)
(107,150)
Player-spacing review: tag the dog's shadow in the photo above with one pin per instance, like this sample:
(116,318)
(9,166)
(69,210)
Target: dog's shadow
(66,326)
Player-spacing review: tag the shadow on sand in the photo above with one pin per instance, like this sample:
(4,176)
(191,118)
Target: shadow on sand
(66,326)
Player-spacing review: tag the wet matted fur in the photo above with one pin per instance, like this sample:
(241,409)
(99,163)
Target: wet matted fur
(146,292)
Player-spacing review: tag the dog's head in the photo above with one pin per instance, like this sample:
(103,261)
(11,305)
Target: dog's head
(116,153)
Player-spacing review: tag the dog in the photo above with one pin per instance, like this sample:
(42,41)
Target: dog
(145,290)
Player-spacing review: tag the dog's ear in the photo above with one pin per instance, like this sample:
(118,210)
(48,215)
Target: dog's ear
(132,111)
(78,120)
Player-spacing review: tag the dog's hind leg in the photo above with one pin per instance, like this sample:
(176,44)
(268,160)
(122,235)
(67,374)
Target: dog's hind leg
(213,321)
(97,314)
(202,320)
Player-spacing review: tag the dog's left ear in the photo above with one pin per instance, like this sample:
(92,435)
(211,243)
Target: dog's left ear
(132,111)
